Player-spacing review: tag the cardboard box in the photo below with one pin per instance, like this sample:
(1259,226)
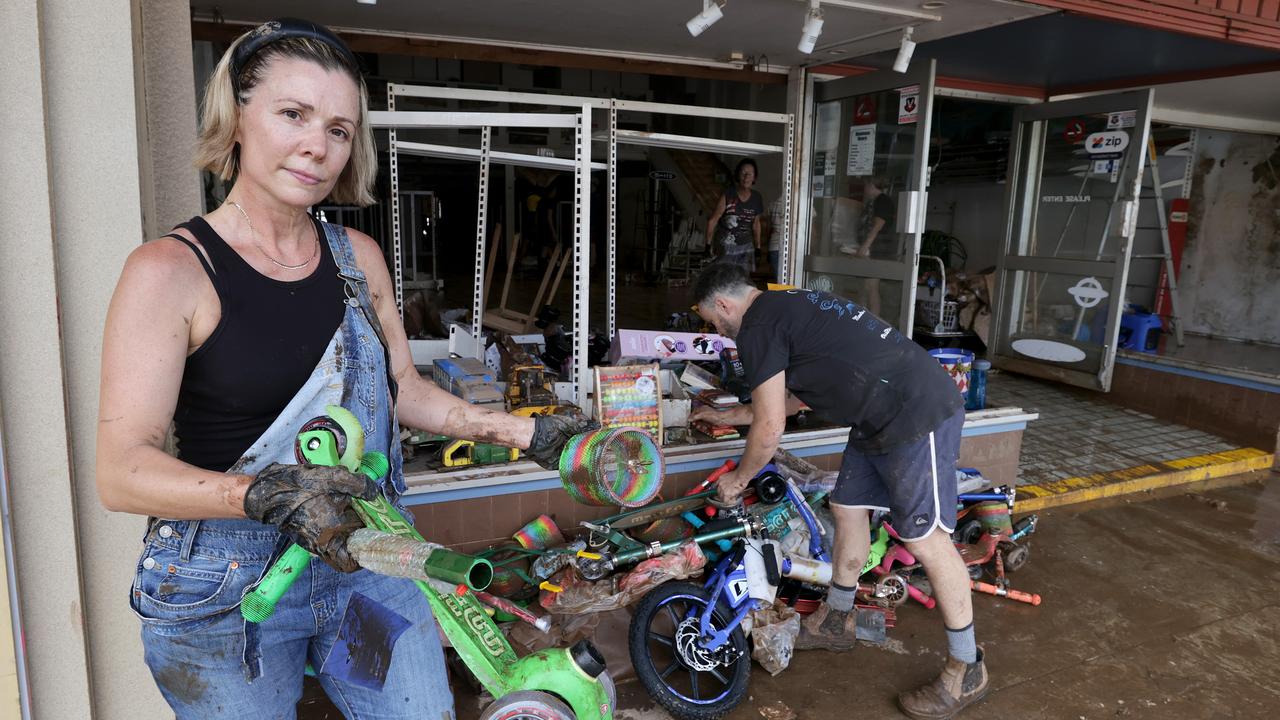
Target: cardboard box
(698,378)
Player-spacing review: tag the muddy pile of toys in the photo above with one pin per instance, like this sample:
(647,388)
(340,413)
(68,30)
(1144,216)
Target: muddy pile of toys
(710,588)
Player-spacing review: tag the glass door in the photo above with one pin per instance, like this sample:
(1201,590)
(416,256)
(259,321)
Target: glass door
(1075,171)
(866,187)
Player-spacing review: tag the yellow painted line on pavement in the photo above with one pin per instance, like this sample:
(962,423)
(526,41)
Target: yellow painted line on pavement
(1141,478)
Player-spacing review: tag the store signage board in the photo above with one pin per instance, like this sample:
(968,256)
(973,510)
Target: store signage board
(864,109)
(1088,292)
(1108,142)
(1125,119)
(908,104)
(629,396)
(862,150)
(662,175)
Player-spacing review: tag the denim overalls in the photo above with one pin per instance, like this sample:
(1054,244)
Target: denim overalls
(207,661)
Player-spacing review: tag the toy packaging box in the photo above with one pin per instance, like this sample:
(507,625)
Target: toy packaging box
(665,345)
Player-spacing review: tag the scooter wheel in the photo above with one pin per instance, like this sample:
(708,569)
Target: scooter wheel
(527,705)
(969,532)
(892,588)
(1015,557)
(690,681)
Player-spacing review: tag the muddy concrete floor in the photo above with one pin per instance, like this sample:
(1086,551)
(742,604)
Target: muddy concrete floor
(1154,607)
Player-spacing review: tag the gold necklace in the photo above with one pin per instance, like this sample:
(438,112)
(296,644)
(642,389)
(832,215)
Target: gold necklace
(254,233)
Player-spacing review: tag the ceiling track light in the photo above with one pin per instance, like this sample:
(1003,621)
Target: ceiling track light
(905,49)
(711,12)
(812,28)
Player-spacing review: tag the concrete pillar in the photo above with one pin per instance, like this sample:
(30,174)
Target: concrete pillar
(171,184)
(34,402)
(72,205)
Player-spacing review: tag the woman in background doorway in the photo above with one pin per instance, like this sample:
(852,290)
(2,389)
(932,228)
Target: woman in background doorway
(738,218)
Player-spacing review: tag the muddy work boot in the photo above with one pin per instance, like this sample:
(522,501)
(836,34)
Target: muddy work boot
(960,685)
(835,630)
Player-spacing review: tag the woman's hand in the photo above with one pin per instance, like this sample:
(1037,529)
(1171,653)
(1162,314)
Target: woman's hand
(552,432)
(311,504)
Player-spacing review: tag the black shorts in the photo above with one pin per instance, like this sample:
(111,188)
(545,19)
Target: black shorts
(915,482)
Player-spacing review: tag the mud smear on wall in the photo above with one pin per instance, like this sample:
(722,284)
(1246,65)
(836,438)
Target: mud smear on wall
(1231,266)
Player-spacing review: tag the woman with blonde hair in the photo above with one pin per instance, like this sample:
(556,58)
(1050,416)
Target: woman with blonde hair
(237,328)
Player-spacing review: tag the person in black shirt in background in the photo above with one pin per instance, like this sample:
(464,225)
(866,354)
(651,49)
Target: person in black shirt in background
(875,228)
(905,417)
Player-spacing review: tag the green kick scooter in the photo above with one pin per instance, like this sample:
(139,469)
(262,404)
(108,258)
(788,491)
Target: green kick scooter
(551,684)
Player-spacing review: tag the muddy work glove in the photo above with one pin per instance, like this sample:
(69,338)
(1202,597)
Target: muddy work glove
(311,504)
(551,432)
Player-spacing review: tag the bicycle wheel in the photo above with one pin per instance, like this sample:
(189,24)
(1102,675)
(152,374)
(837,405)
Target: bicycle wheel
(691,682)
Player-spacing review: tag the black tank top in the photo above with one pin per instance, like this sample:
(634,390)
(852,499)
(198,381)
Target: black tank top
(270,338)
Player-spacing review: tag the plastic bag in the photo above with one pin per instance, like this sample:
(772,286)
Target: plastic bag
(805,474)
(616,591)
(773,632)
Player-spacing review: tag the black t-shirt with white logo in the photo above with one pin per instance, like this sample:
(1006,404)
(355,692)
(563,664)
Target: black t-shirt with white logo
(850,366)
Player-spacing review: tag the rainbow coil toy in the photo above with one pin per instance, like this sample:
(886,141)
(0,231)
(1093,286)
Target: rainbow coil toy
(541,532)
(620,466)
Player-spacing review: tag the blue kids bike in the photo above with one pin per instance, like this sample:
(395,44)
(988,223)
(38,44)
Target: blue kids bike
(686,640)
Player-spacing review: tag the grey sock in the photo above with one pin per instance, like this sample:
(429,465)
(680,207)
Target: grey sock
(961,644)
(841,598)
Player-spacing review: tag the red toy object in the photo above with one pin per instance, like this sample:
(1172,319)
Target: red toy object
(1029,598)
(900,554)
(710,510)
(978,554)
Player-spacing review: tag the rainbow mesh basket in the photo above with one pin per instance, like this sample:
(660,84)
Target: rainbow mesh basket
(620,466)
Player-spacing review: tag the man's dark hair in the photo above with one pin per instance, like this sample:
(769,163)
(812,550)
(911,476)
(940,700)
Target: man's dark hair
(720,278)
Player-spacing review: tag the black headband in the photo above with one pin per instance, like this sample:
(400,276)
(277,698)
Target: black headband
(283,29)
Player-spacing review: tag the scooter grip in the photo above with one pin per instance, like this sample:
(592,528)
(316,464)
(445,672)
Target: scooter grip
(260,603)
(919,596)
(1029,598)
(714,476)
(772,572)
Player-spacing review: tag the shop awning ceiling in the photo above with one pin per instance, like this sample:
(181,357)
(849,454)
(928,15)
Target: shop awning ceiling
(766,31)
(1065,53)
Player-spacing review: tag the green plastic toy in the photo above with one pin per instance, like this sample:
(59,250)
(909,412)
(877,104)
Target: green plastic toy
(556,683)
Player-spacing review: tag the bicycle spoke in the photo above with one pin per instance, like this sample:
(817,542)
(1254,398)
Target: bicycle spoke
(693,683)
(668,641)
(670,668)
(675,618)
(719,676)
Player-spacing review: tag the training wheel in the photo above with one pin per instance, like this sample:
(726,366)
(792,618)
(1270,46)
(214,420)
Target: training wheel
(527,705)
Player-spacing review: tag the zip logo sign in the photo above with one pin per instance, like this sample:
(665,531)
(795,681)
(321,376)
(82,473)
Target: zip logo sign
(1110,141)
